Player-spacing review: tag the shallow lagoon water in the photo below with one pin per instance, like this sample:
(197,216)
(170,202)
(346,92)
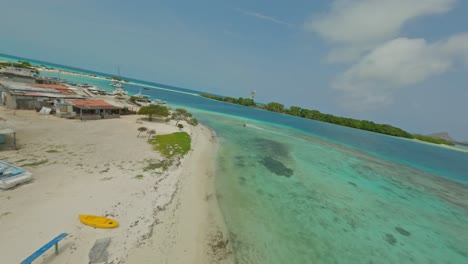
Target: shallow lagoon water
(299,191)
(338,205)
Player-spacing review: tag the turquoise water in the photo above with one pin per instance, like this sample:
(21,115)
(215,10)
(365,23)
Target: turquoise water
(298,191)
(294,198)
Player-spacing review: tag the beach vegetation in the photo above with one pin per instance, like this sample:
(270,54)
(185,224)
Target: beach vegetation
(180,114)
(337,120)
(115,78)
(34,164)
(5,214)
(240,100)
(150,133)
(25,63)
(134,98)
(294,111)
(193,121)
(172,145)
(139,177)
(180,126)
(141,129)
(275,107)
(219,245)
(159,164)
(52,151)
(21,64)
(154,110)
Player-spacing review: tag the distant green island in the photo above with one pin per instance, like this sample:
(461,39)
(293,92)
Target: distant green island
(337,120)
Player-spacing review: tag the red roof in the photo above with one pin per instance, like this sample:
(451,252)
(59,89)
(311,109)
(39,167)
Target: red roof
(50,86)
(92,103)
(61,88)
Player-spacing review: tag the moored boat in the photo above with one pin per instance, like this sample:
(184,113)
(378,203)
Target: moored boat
(11,176)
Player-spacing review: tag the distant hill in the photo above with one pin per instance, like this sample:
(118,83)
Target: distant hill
(446,136)
(443,135)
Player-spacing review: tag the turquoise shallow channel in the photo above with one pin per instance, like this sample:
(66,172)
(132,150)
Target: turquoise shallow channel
(298,191)
(293,198)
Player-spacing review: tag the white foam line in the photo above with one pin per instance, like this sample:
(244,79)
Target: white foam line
(165,89)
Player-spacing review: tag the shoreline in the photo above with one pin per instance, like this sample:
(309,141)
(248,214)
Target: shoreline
(110,79)
(193,222)
(49,69)
(97,167)
(454,148)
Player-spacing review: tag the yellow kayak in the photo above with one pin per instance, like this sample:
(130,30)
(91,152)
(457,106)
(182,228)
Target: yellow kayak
(98,221)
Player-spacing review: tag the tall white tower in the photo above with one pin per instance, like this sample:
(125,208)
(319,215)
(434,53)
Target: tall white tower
(252,94)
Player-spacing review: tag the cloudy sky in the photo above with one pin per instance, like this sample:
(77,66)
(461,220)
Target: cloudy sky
(390,61)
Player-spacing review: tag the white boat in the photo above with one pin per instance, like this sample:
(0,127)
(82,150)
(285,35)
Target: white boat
(142,96)
(158,102)
(116,84)
(95,90)
(119,89)
(11,176)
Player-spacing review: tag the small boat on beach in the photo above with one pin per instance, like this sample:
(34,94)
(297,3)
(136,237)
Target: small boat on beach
(98,221)
(11,176)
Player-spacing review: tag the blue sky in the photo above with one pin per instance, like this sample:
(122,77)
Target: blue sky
(390,61)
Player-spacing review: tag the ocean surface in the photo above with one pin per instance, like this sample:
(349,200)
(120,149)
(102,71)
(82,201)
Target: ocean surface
(293,190)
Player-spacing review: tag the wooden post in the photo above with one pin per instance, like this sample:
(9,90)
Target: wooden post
(14,139)
(56,248)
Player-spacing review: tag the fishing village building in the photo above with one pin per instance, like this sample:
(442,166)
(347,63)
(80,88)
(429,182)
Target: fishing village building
(86,109)
(15,95)
(58,99)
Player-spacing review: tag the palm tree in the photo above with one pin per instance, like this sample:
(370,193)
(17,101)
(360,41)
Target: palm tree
(141,129)
(150,133)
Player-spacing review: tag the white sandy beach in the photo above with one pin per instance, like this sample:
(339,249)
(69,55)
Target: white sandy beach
(96,167)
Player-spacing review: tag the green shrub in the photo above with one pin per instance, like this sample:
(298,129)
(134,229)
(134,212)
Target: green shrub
(171,145)
(193,121)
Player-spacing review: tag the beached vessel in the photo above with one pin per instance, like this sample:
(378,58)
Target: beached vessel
(11,176)
(98,221)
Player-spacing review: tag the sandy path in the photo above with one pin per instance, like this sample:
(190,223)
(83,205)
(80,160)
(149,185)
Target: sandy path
(97,167)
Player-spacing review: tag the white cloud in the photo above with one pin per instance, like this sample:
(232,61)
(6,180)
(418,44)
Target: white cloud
(262,16)
(396,64)
(359,25)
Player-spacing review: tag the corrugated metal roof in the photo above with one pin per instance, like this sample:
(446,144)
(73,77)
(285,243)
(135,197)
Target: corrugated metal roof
(37,87)
(92,104)
(51,86)
(52,95)
(16,86)
(62,88)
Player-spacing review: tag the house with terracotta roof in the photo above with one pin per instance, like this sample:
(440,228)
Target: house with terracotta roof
(87,109)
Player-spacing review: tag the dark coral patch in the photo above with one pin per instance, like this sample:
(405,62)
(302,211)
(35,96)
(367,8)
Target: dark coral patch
(277,167)
(272,147)
(402,231)
(389,238)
